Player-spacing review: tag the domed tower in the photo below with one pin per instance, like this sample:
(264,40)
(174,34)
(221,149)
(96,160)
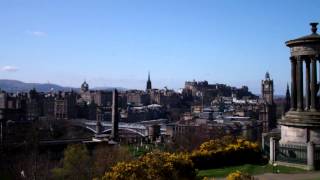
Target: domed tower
(84,87)
(301,124)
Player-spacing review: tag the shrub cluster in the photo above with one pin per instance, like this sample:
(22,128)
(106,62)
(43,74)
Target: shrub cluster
(238,175)
(211,155)
(163,165)
(154,166)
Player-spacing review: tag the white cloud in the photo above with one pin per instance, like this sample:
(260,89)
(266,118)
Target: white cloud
(9,68)
(37,33)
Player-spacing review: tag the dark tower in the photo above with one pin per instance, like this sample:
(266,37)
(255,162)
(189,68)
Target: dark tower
(267,89)
(115,116)
(149,86)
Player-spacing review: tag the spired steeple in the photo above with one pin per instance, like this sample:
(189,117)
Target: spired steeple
(149,86)
(287,105)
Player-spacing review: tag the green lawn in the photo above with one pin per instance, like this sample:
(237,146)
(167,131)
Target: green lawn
(248,168)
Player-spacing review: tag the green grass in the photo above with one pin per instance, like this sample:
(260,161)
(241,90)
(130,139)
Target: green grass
(248,168)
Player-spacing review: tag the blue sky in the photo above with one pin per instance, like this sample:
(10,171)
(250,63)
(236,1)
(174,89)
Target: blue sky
(116,43)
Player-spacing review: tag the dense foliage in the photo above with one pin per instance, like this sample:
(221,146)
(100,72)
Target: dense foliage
(154,166)
(214,154)
(238,175)
(76,164)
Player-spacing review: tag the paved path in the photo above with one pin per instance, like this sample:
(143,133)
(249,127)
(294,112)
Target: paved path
(304,176)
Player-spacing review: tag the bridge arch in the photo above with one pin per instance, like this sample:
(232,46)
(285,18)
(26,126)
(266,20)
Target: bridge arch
(127,129)
(84,126)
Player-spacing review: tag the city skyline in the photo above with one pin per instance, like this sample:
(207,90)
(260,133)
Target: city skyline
(116,43)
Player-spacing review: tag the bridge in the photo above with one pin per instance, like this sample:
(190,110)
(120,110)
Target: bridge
(141,128)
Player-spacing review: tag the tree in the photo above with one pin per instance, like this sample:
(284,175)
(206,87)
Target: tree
(107,156)
(76,164)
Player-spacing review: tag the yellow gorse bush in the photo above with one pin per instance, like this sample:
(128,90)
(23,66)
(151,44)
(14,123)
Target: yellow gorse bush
(164,165)
(217,153)
(214,146)
(238,175)
(156,165)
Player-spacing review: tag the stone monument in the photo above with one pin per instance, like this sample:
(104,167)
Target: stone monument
(300,126)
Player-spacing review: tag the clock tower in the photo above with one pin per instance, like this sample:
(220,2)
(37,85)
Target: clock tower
(267,113)
(267,89)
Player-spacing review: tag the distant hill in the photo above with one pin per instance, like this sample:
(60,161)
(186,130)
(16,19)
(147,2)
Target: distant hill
(19,86)
(109,88)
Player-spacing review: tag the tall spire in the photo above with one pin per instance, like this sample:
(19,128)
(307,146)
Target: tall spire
(288,99)
(288,90)
(149,86)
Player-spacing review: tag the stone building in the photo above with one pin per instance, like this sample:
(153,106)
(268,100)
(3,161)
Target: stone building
(48,105)
(102,98)
(166,98)
(65,105)
(13,106)
(34,105)
(138,98)
(204,93)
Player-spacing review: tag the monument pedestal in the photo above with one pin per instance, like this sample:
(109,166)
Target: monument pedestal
(300,133)
(300,127)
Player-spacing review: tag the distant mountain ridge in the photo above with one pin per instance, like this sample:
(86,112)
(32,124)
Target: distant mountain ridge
(19,86)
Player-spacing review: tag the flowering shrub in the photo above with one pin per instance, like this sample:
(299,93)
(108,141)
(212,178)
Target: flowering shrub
(154,166)
(213,145)
(238,175)
(211,155)
(163,166)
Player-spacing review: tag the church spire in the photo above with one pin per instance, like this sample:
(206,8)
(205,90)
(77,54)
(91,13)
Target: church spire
(288,99)
(149,86)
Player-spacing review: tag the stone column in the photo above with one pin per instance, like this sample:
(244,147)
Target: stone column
(299,84)
(98,127)
(313,83)
(272,150)
(307,61)
(293,84)
(310,154)
(262,141)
